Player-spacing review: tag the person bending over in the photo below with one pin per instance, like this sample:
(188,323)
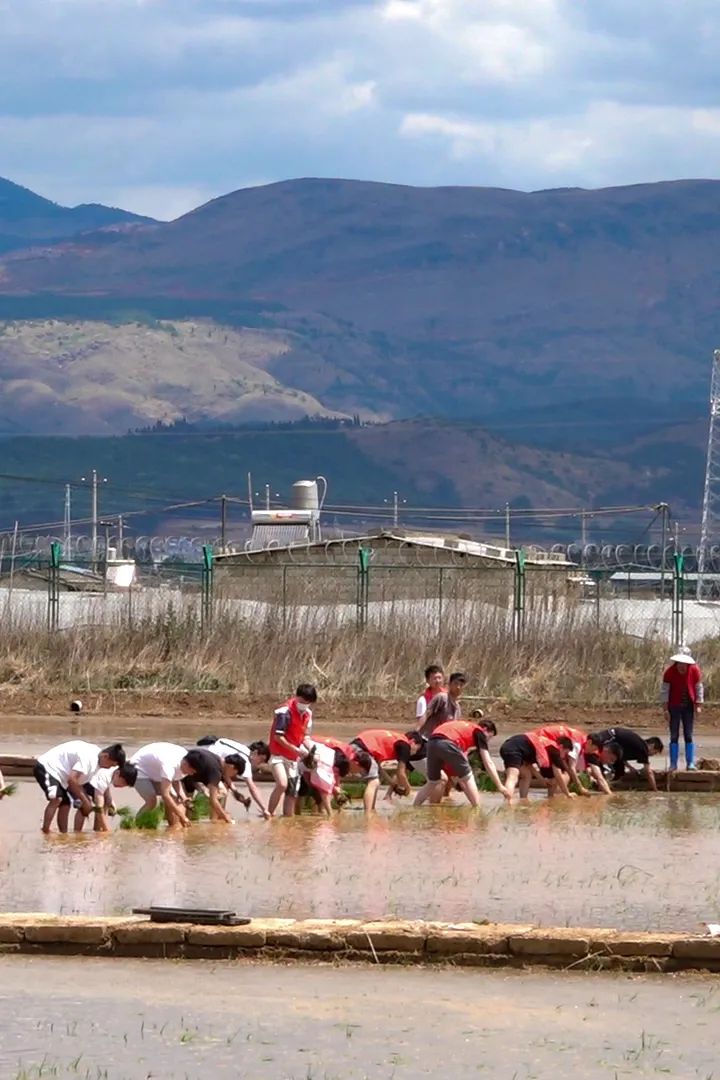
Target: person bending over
(361,768)
(522,755)
(100,792)
(159,769)
(617,747)
(62,773)
(447,754)
(384,745)
(289,741)
(252,757)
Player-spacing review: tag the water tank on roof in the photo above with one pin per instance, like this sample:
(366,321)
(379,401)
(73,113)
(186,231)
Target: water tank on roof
(305,495)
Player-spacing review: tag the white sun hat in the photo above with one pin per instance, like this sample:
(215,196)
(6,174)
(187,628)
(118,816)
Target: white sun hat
(682,658)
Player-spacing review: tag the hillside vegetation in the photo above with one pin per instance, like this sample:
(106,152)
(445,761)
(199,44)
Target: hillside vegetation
(63,377)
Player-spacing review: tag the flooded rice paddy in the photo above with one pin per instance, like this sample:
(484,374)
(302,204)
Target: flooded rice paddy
(635,861)
(93,1019)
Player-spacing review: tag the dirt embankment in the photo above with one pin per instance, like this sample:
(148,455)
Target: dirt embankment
(348,711)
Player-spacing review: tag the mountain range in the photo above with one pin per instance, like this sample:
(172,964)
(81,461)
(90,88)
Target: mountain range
(569,321)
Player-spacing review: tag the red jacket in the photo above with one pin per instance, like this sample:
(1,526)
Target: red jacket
(690,682)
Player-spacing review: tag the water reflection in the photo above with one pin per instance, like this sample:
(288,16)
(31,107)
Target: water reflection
(594,862)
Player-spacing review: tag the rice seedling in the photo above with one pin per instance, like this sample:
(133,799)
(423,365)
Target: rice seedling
(144,819)
(8,790)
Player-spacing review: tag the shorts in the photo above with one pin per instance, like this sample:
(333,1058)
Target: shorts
(292,773)
(518,751)
(147,789)
(53,788)
(442,753)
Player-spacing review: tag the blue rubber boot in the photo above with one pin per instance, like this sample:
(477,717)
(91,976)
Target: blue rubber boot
(690,755)
(674,755)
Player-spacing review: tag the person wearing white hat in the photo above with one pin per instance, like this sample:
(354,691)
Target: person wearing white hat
(682,696)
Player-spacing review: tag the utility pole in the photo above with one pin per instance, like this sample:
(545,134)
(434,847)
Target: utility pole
(67,534)
(94,513)
(583,529)
(223,522)
(120,536)
(267,496)
(663,508)
(507,525)
(711,497)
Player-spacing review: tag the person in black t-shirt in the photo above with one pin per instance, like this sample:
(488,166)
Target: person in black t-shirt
(616,747)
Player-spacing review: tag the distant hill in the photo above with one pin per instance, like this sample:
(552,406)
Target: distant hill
(568,322)
(29,219)
(408,300)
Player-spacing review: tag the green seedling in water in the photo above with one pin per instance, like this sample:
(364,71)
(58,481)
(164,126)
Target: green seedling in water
(9,789)
(144,819)
(200,808)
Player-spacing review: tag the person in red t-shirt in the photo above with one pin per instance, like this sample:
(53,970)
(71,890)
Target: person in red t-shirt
(289,741)
(682,695)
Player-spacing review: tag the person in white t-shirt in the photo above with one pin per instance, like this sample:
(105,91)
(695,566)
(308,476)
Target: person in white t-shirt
(434,684)
(157,770)
(62,773)
(245,759)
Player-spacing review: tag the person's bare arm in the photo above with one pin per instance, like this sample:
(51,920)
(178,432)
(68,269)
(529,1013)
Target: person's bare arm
(489,766)
(561,781)
(174,810)
(218,809)
(255,796)
(648,773)
(78,793)
(597,775)
(290,747)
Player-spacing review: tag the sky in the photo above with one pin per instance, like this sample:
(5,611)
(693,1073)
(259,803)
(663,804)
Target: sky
(159,105)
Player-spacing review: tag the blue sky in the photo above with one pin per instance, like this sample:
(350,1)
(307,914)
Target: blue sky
(159,105)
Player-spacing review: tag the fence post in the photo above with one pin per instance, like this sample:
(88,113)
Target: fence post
(440,597)
(363,587)
(678,601)
(206,603)
(54,586)
(519,597)
(284,596)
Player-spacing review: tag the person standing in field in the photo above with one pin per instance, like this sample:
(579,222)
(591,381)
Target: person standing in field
(683,695)
(443,706)
(434,685)
(289,742)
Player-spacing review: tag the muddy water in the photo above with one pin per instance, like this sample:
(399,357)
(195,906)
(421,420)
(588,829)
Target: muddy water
(633,861)
(130,1020)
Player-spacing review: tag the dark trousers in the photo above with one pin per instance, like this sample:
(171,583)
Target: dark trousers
(685,715)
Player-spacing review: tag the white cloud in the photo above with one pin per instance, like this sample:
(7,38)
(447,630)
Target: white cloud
(162,101)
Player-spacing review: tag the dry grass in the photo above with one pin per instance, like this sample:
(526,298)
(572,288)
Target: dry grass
(563,655)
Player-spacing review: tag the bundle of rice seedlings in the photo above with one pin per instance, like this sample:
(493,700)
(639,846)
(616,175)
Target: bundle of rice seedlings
(200,807)
(9,789)
(144,819)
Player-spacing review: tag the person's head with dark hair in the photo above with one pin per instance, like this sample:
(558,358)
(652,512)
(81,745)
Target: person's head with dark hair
(415,737)
(207,740)
(125,775)
(259,753)
(234,767)
(342,764)
(306,693)
(361,763)
(654,745)
(565,745)
(434,676)
(489,727)
(202,766)
(456,684)
(112,755)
